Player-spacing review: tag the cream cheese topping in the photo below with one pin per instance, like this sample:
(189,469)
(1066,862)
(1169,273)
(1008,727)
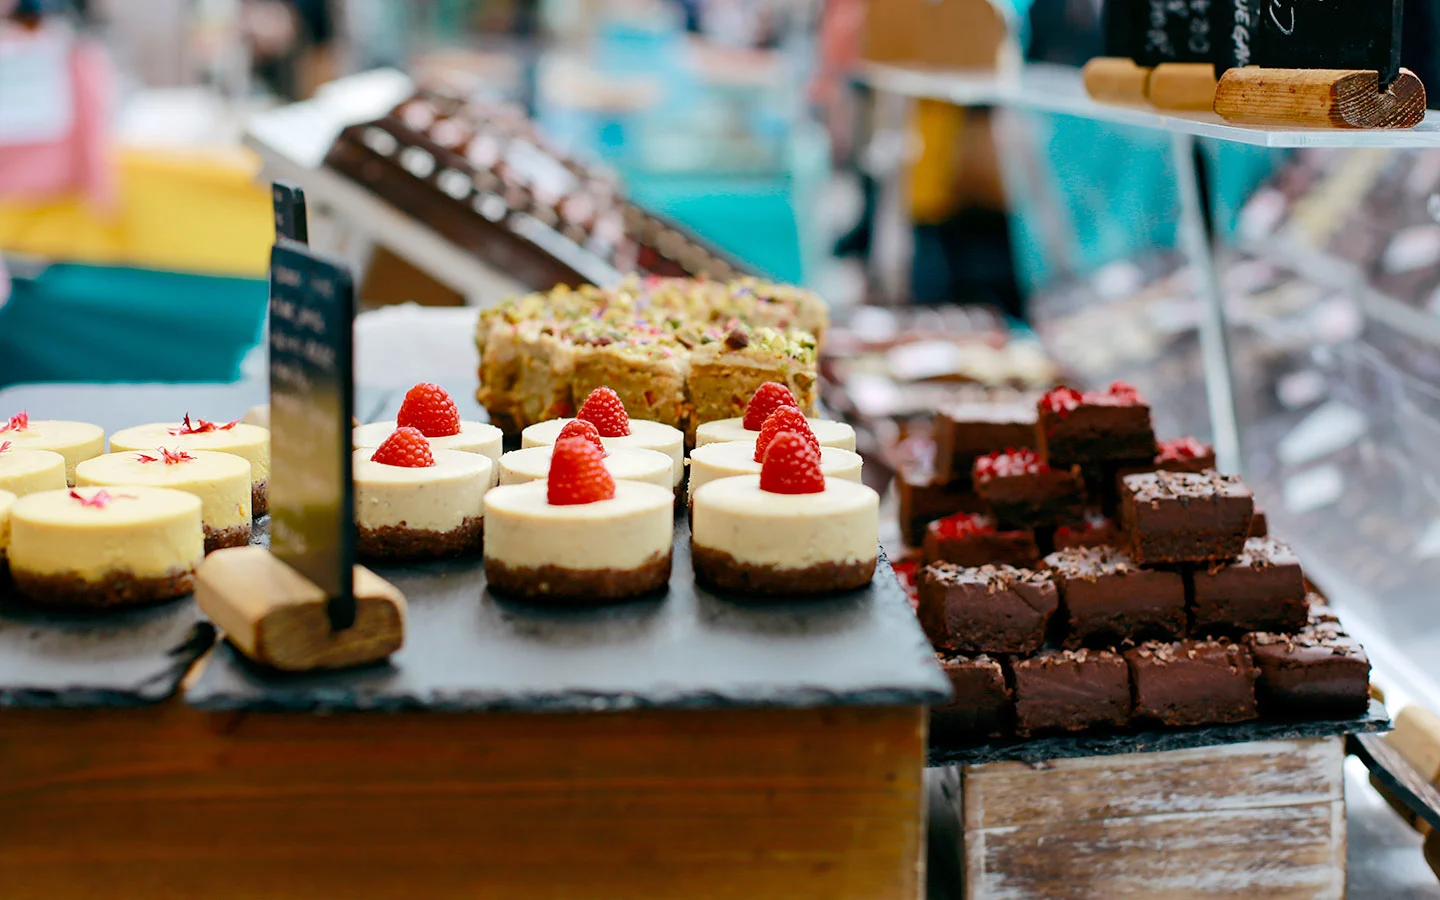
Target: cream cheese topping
(31,471)
(434,498)
(643,434)
(474,437)
(533,464)
(523,529)
(250,442)
(220,480)
(76,441)
(787,531)
(830,434)
(731,458)
(148,532)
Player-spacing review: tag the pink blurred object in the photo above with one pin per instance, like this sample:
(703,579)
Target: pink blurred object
(78,161)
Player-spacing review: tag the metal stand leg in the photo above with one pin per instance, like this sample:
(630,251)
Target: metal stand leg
(1214,334)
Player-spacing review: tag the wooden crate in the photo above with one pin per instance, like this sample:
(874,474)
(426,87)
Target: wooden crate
(1262,819)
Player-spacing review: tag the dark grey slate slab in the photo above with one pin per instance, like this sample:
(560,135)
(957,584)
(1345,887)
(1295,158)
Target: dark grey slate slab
(1113,744)
(68,660)
(468,651)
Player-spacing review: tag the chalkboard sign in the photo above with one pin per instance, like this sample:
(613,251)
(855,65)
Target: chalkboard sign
(1152,32)
(1310,34)
(291,220)
(312,498)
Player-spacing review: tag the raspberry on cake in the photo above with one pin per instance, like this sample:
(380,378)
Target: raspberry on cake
(617,431)
(769,397)
(250,442)
(580,535)
(414,502)
(648,466)
(220,480)
(30,471)
(75,441)
(1025,492)
(98,548)
(731,458)
(429,409)
(788,530)
(1097,426)
(972,539)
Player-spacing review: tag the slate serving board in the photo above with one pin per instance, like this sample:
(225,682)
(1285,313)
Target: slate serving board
(943,753)
(467,650)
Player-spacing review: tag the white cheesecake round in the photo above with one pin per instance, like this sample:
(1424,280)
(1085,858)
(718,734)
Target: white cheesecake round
(474,437)
(7,500)
(250,442)
(830,434)
(644,435)
(105,547)
(586,552)
(433,512)
(31,471)
(731,458)
(748,540)
(75,441)
(533,464)
(220,480)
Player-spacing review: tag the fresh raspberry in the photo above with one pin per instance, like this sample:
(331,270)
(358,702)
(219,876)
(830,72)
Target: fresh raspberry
(604,410)
(407,448)
(1062,401)
(792,466)
(579,428)
(769,397)
(1185,448)
(1120,393)
(578,474)
(429,409)
(785,418)
(1008,464)
(18,422)
(962,525)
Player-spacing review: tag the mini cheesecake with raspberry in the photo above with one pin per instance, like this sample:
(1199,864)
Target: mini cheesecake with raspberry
(533,463)
(30,471)
(770,397)
(220,480)
(728,459)
(618,431)
(786,531)
(75,441)
(580,536)
(414,502)
(250,442)
(429,409)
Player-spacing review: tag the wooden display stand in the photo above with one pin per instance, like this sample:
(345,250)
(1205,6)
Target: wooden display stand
(940,34)
(1260,819)
(1172,86)
(1320,98)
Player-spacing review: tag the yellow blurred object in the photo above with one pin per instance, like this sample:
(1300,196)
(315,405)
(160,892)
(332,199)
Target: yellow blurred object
(187,212)
(939,128)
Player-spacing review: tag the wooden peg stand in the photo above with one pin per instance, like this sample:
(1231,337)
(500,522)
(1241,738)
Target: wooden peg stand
(1320,98)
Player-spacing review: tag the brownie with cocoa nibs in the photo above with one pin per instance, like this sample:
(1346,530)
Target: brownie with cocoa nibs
(1192,683)
(1070,690)
(1260,525)
(1316,670)
(925,498)
(1024,491)
(990,609)
(965,432)
(1095,426)
(972,539)
(1106,598)
(981,707)
(1263,589)
(1095,531)
(1185,454)
(1183,517)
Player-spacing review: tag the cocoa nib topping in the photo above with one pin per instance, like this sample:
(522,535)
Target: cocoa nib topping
(1338,643)
(959,659)
(1090,562)
(1162,652)
(1051,658)
(996,578)
(1153,486)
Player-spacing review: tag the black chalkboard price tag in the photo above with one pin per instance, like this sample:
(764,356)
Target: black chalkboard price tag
(1310,34)
(1153,32)
(312,498)
(291,220)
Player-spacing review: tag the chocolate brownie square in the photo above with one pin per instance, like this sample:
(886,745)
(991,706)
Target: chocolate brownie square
(1025,492)
(923,499)
(971,539)
(1107,598)
(992,609)
(1070,690)
(1095,531)
(1184,454)
(1192,683)
(981,707)
(1263,589)
(967,431)
(1180,517)
(1316,670)
(1095,426)
(1260,525)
